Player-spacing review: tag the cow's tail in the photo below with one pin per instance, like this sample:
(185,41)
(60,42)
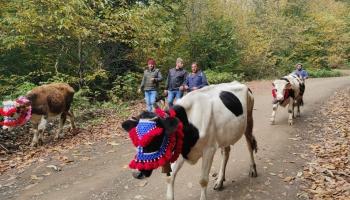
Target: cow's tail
(249,130)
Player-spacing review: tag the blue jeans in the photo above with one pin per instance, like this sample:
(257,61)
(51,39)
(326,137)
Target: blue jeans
(172,94)
(150,97)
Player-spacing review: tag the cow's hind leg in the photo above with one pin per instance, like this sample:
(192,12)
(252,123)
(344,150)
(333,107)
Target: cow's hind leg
(63,118)
(71,119)
(171,180)
(207,160)
(225,152)
(252,145)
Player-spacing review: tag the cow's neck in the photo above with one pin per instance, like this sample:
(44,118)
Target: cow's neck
(191,133)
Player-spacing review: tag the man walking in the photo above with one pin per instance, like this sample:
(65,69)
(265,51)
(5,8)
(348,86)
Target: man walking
(175,82)
(196,79)
(150,82)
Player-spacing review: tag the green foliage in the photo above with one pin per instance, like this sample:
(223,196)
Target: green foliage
(100,47)
(215,77)
(125,87)
(318,73)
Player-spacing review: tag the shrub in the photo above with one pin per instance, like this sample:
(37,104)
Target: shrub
(215,77)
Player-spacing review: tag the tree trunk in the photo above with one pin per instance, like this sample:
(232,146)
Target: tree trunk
(80,69)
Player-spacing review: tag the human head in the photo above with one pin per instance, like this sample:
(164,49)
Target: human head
(194,67)
(151,63)
(179,63)
(298,66)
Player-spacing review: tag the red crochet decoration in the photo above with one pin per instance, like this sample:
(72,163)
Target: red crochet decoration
(146,139)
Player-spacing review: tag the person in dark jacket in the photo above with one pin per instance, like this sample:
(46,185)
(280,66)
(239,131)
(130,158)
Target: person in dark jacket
(150,82)
(174,87)
(196,79)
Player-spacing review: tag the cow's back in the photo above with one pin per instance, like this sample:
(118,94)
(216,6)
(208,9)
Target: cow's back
(51,98)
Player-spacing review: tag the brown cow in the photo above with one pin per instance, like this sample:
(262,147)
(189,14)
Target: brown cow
(49,101)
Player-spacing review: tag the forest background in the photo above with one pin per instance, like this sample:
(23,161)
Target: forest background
(101,47)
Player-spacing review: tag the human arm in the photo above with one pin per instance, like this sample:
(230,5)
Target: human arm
(142,85)
(159,76)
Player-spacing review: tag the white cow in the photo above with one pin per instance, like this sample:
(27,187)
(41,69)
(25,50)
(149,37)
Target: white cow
(213,117)
(287,90)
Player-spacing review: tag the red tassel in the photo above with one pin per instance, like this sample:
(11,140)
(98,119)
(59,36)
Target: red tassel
(8,113)
(160,112)
(274,95)
(133,137)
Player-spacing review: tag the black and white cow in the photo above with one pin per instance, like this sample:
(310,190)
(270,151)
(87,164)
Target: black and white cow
(213,117)
(287,90)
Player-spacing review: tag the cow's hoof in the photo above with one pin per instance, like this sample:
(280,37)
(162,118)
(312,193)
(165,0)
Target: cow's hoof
(272,122)
(33,144)
(252,171)
(40,142)
(290,123)
(219,185)
(138,175)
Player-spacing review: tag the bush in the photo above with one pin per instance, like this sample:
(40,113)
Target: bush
(125,87)
(317,73)
(215,77)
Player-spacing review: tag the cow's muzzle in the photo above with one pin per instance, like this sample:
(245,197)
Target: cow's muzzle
(142,174)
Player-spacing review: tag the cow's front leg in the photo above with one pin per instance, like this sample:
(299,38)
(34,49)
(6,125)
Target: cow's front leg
(298,108)
(273,116)
(290,110)
(171,179)
(225,153)
(35,136)
(207,160)
(41,129)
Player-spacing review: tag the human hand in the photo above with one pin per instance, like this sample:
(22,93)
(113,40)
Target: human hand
(139,90)
(195,88)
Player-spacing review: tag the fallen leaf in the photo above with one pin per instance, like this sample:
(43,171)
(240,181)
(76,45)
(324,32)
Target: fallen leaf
(54,167)
(35,177)
(113,143)
(288,178)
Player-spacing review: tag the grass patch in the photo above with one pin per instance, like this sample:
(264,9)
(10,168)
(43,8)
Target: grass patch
(318,73)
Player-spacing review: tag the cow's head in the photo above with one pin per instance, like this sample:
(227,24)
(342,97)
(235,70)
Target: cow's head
(280,89)
(157,138)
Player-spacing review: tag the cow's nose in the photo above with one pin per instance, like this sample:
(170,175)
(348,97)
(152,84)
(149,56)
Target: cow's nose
(279,97)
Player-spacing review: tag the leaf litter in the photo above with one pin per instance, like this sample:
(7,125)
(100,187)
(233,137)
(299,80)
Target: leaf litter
(327,174)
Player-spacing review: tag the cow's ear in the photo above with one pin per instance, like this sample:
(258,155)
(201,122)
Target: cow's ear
(129,124)
(288,86)
(169,124)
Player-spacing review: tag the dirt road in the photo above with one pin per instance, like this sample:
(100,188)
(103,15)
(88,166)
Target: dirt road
(104,173)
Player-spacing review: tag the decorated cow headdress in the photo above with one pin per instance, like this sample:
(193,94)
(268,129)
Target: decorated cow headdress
(145,132)
(15,113)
